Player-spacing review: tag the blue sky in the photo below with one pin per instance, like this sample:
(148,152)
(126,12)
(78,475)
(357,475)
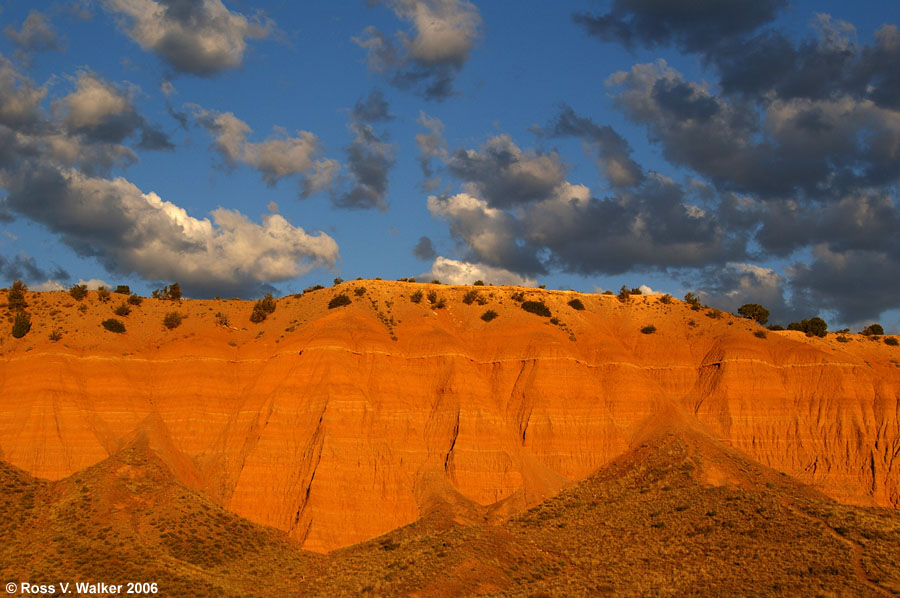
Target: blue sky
(747,151)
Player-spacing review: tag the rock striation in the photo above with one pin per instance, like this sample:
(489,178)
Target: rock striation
(339,425)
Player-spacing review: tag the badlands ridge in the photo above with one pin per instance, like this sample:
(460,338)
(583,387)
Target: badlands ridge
(339,425)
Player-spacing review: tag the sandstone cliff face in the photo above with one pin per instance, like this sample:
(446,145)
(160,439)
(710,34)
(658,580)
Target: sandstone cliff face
(319,423)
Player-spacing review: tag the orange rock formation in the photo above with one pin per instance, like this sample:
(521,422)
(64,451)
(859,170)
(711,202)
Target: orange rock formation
(338,425)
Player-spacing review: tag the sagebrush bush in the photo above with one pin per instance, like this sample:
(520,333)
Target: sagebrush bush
(267,303)
(16,296)
(123,289)
(760,334)
(890,340)
(432,297)
(489,315)
(843,339)
(78,291)
(667,299)
(173,319)
(56,335)
(103,294)
(576,304)
(416,297)
(470,296)
(537,307)
(134,299)
(359,291)
(122,310)
(221,319)
(518,296)
(339,301)
(114,325)
(872,330)
(21,324)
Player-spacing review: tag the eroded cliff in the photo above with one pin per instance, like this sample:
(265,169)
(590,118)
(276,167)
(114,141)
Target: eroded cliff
(338,425)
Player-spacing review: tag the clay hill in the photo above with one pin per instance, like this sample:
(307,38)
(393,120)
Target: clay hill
(639,447)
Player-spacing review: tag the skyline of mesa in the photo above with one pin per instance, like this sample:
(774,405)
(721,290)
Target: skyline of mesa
(748,152)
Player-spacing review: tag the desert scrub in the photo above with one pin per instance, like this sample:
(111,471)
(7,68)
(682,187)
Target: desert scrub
(103,294)
(649,329)
(471,296)
(576,304)
(760,334)
(122,310)
(78,291)
(173,319)
(21,324)
(489,315)
(359,291)
(537,307)
(114,325)
(134,299)
(339,301)
(890,340)
(416,297)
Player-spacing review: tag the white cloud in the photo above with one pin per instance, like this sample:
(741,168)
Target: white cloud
(459,272)
(201,38)
(275,158)
(49,285)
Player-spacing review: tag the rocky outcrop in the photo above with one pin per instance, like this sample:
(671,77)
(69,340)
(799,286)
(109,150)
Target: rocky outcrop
(338,425)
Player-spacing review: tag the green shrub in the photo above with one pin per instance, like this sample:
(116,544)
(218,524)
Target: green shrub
(114,325)
(518,296)
(338,281)
(133,299)
(760,334)
(667,299)
(102,294)
(339,301)
(416,297)
(267,303)
(692,300)
(608,292)
(843,339)
(78,291)
(489,315)
(258,314)
(775,327)
(441,303)
(648,329)
(170,292)
(359,291)
(812,327)
(890,340)
(122,310)
(872,330)
(21,324)
(714,313)
(478,283)
(576,304)
(16,296)
(754,311)
(56,335)
(173,319)
(432,297)
(470,296)
(317,287)
(123,289)
(537,307)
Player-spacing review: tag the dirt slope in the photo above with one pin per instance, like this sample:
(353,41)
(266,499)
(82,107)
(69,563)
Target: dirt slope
(339,425)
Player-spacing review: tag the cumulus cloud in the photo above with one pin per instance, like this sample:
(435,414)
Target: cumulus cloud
(35,35)
(130,231)
(276,158)
(504,175)
(692,26)
(431,145)
(54,169)
(197,37)
(735,283)
(369,157)
(459,272)
(26,268)
(424,249)
(105,113)
(488,235)
(612,150)
(816,149)
(427,61)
